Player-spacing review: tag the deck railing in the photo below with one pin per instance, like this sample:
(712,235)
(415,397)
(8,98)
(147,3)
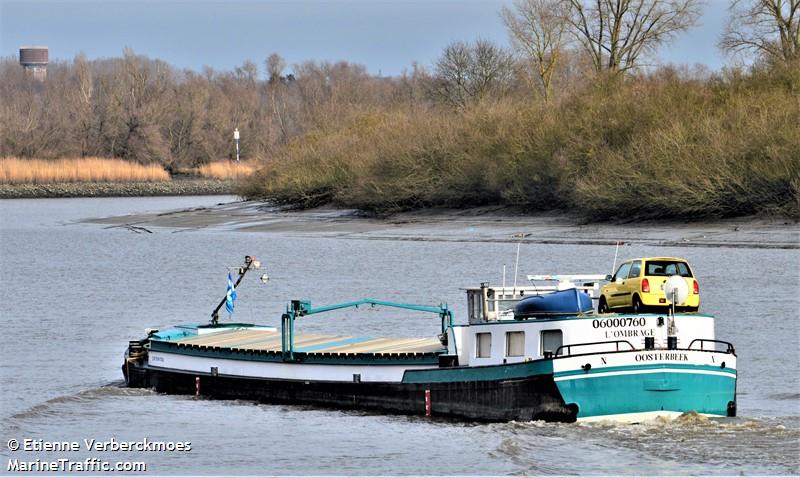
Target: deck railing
(616,344)
(728,346)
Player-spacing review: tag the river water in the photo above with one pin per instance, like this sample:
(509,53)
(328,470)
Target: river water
(75,293)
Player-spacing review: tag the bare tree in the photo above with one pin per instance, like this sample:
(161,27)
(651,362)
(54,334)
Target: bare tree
(326,90)
(247,72)
(275,66)
(141,86)
(536,29)
(82,109)
(492,68)
(615,33)
(451,80)
(768,27)
(411,85)
(469,72)
(84,77)
(275,89)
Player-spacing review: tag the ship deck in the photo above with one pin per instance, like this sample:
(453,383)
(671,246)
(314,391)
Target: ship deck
(270,340)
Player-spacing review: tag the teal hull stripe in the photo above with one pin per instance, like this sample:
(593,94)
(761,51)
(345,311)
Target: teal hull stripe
(477,374)
(644,372)
(624,368)
(335,343)
(174,334)
(649,392)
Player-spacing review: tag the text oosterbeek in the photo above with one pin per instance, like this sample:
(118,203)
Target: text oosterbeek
(90,444)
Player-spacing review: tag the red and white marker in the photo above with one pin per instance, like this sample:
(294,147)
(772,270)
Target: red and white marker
(427,403)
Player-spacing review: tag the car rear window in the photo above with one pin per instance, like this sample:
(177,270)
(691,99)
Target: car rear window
(668,268)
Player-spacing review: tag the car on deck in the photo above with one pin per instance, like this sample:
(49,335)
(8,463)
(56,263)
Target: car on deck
(638,286)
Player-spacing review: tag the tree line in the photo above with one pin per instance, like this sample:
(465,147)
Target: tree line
(482,124)
(145,110)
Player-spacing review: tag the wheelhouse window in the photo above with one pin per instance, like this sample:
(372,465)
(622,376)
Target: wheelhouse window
(515,344)
(474,298)
(473,310)
(552,340)
(483,345)
(667,268)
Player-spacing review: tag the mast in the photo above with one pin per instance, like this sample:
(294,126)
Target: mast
(250,262)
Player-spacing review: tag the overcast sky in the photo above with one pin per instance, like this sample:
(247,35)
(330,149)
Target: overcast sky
(386,36)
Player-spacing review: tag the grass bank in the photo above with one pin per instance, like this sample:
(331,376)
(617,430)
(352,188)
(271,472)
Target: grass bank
(658,147)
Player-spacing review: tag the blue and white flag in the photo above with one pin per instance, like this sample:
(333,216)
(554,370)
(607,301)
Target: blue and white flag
(230,296)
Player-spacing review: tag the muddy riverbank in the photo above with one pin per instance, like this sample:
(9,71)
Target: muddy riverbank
(470,225)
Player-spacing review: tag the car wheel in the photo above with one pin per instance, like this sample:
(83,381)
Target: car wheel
(637,305)
(602,307)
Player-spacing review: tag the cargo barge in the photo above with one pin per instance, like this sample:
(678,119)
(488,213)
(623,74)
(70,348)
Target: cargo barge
(556,365)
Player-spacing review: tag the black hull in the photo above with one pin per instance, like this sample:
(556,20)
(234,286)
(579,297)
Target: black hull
(531,398)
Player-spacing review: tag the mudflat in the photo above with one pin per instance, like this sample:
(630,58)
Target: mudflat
(486,224)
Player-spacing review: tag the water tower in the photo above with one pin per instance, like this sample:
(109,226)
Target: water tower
(34,59)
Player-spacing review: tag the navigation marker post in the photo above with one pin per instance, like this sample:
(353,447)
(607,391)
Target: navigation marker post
(236,140)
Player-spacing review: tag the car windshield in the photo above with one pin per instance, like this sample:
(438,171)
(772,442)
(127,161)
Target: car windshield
(668,268)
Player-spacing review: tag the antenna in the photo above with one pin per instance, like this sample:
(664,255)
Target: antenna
(516,268)
(614,264)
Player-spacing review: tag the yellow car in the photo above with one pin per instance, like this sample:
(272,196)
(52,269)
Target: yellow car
(638,285)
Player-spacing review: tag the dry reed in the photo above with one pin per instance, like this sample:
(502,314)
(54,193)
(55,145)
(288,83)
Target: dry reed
(37,171)
(226,170)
